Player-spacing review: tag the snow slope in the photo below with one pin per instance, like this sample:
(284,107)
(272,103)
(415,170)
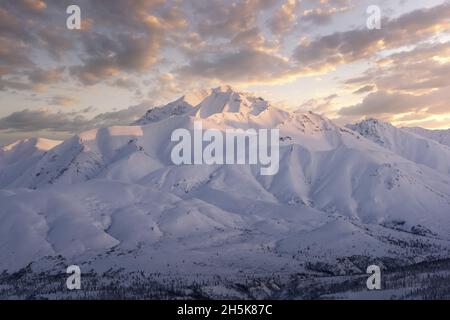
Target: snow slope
(112,198)
(19,156)
(441,136)
(25,149)
(414,147)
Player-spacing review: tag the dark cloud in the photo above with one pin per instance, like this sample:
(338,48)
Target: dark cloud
(62,101)
(423,68)
(14,84)
(125,36)
(253,39)
(414,80)
(40,76)
(382,102)
(48,120)
(284,18)
(365,89)
(29,6)
(225,19)
(137,31)
(55,42)
(243,65)
(120,117)
(12,27)
(107,57)
(36,120)
(33,79)
(125,83)
(13,57)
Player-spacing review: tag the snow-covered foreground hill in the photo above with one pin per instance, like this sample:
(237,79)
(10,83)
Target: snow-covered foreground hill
(111,199)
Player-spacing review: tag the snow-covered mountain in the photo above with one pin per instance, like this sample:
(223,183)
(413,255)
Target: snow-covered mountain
(416,148)
(27,148)
(112,198)
(441,136)
(17,157)
(205,103)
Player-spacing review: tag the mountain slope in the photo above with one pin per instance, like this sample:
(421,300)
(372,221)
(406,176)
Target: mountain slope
(112,197)
(175,108)
(25,149)
(17,157)
(416,148)
(441,136)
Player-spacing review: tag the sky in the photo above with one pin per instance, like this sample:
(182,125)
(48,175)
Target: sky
(129,56)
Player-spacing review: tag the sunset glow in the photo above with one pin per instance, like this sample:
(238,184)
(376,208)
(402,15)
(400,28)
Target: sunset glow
(307,55)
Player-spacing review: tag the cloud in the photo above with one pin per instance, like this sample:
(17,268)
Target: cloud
(250,57)
(35,120)
(254,39)
(413,84)
(62,101)
(382,102)
(365,89)
(159,49)
(319,105)
(40,77)
(20,22)
(121,117)
(125,36)
(125,83)
(338,48)
(428,122)
(244,65)
(322,12)
(15,85)
(31,6)
(12,27)
(13,57)
(422,68)
(34,79)
(55,42)
(284,18)
(107,57)
(137,32)
(224,19)
(48,120)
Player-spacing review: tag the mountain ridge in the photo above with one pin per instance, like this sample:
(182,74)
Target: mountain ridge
(441,136)
(116,188)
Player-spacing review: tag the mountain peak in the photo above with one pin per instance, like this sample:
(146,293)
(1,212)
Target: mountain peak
(224,99)
(205,103)
(180,106)
(34,143)
(373,128)
(373,122)
(26,148)
(223,88)
(409,145)
(195,97)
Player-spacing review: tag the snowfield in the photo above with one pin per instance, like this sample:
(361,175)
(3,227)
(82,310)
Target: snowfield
(441,136)
(110,198)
